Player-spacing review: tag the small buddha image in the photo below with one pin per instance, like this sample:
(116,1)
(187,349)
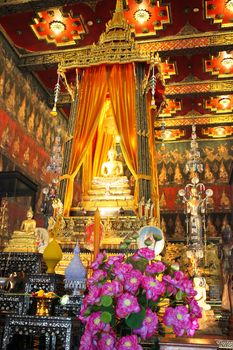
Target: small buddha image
(35,164)
(225,202)
(47,139)
(179,229)
(225,222)
(16,147)
(178,178)
(162,201)
(2,80)
(29,225)
(39,131)
(208,175)
(211,229)
(200,287)
(163,226)
(163,176)
(30,123)
(21,112)
(26,157)
(223,175)
(11,99)
(210,203)
(113,167)
(223,152)
(24,240)
(5,139)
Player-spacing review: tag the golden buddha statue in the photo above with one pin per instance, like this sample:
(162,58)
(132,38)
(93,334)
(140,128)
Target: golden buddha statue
(110,191)
(225,202)
(223,175)
(25,239)
(178,178)
(112,167)
(179,229)
(211,229)
(208,175)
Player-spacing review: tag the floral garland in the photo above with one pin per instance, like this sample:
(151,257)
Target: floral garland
(124,297)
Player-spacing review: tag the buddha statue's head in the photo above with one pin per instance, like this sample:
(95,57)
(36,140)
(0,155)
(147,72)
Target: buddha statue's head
(112,154)
(29,213)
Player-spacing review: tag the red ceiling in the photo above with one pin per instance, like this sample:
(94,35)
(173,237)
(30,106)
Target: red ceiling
(179,13)
(170,15)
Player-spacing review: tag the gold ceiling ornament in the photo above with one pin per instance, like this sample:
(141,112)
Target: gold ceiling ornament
(115,45)
(229,5)
(142,15)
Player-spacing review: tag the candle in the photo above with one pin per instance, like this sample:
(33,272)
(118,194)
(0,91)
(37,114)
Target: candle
(96,233)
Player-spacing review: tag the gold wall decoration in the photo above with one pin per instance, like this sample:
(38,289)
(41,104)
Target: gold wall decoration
(218,131)
(198,120)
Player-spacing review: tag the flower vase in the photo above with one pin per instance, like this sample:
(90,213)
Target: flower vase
(52,255)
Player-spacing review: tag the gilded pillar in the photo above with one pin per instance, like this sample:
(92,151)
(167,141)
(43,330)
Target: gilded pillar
(68,146)
(144,174)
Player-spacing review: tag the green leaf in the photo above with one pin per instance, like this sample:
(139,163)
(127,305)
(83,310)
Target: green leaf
(148,242)
(106,317)
(179,295)
(140,264)
(135,319)
(128,241)
(123,246)
(135,235)
(106,300)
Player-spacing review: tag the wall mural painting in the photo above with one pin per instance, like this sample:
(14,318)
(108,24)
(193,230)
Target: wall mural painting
(25,152)
(217,157)
(27,131)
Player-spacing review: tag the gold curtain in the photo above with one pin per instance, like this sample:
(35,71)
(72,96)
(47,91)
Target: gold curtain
(93,89)
(97,152)
(122,85)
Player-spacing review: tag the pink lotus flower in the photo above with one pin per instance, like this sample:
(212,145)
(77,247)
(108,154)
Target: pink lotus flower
(113,288)
(107,341)
(193,326)
(126,304)
(146,253)
(177,317)
(121,269)
(149,325)
(129,342)
(154,268)
(132,281)
(98,276)
(88,341)
(153,287)
(113,259)
(195,309)
(118,292)
(99,260)
(94,323)
(93,296)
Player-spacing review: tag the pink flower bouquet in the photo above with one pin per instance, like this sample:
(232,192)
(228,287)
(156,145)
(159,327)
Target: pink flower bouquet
(124,297)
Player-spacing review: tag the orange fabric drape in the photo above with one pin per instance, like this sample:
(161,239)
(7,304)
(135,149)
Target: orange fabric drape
(96,153)
(92,97)
(119,81)
(122,92)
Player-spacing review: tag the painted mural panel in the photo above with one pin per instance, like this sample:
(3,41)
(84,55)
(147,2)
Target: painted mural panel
(217,158)
(27,130)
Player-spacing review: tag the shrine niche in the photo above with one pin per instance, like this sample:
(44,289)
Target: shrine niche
(111,124)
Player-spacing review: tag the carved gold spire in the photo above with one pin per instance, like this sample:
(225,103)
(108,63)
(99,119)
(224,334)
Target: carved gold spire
(115,45)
